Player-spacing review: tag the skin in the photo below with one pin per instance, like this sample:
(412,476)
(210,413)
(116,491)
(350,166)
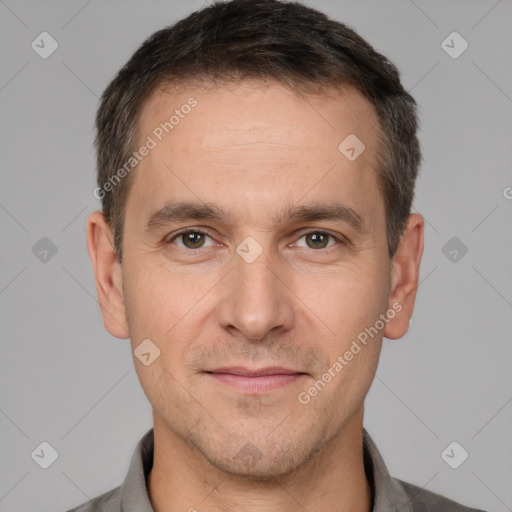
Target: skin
(254,150)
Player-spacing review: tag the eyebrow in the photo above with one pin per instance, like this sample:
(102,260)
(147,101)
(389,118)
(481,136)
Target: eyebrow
(173,212)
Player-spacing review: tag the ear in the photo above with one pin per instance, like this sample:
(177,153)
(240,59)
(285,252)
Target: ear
(108,275)
(405,277)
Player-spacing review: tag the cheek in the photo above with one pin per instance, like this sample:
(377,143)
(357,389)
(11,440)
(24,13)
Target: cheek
(152,311)
(352,304)
(158,299)
(344,301)
(160,310)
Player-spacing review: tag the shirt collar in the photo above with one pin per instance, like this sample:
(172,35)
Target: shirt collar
(388,494)
(134,491)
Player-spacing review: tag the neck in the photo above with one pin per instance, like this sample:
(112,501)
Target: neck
(333,479)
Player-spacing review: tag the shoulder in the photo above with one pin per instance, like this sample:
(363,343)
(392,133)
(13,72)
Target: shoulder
(107,502)
(427,501)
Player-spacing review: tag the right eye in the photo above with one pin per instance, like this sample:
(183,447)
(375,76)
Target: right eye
(190,238)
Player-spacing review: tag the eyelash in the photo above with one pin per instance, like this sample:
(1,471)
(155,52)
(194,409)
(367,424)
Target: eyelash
(340,240)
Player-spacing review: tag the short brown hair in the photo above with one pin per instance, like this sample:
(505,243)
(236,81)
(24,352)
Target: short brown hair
(285,42)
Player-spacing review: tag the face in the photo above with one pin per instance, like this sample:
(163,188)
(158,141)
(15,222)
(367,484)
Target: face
(255,256)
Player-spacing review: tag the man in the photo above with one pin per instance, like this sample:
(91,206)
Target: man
(256,166)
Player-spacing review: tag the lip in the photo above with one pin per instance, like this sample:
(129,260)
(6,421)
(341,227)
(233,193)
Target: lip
(255,381)
(256,372)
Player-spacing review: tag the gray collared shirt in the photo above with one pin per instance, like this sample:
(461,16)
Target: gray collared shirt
(389,494)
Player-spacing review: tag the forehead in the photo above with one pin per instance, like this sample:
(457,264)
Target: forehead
(256,146)
(244,109)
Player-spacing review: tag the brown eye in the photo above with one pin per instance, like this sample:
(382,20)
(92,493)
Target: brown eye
(318,240)
(193,240)
(190,239)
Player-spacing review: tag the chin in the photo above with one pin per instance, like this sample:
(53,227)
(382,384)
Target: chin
(264,471)
(276,460)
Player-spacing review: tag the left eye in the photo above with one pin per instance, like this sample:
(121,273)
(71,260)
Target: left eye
(317,239)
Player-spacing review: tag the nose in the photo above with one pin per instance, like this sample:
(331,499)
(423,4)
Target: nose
(257,299)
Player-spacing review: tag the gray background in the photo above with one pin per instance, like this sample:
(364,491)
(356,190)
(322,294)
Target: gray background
(65,380)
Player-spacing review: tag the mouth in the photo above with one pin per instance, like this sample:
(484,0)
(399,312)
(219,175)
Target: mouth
(256,381)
